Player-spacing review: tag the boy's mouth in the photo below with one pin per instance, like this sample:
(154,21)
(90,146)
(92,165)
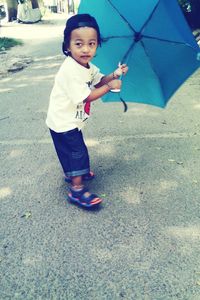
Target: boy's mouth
(85,56)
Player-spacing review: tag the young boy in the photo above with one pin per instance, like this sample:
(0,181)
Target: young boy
(78,83)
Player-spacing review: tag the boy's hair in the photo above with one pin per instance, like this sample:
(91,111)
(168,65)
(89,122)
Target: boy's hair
(77,21)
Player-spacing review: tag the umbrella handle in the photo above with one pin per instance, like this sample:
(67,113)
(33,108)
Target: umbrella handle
(116,90)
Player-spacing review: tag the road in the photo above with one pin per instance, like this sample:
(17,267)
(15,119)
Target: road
(144,240)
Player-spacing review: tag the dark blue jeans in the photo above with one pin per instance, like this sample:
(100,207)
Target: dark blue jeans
(72,152)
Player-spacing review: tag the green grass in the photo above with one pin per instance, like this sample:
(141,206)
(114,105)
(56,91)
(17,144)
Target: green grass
(7,43)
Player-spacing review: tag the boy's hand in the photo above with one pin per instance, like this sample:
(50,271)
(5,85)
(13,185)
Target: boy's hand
(115,84)
(121,70)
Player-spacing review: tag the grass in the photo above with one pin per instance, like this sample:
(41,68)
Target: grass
(7,43)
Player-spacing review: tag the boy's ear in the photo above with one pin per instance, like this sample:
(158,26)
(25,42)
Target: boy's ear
(65,49)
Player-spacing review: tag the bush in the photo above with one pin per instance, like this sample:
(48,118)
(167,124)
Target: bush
(7,43)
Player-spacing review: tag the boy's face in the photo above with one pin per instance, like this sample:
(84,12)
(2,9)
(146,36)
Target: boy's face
(83,44)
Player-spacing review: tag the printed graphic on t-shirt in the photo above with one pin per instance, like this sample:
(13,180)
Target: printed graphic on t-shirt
(83,111)
(89,83)
(87,108)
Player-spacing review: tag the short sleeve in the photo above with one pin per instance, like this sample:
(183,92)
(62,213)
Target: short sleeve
(96,75)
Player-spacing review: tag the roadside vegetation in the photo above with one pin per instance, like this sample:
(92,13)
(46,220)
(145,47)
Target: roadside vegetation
(7,43)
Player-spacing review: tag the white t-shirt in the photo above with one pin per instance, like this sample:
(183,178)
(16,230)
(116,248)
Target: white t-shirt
(73,84)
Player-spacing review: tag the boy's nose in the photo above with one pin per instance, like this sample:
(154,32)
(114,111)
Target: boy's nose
(85,48)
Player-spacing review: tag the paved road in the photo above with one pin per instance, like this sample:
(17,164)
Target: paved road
(144,241)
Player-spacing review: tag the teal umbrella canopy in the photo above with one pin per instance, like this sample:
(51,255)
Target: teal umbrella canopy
(153,39)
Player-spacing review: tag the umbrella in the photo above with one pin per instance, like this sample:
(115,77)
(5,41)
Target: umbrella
(153,38)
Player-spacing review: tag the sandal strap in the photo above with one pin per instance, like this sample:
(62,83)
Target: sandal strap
(78,194)
(89,198)
(81,195)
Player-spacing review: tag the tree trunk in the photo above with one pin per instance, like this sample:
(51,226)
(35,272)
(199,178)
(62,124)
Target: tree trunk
(71,6)
(12,10)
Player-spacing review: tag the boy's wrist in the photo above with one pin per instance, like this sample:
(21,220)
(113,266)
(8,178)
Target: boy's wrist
(109,86)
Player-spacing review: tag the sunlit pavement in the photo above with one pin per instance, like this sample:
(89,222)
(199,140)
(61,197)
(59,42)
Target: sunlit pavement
(143,242)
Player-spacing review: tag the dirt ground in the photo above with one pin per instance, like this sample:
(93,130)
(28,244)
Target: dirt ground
(19,57)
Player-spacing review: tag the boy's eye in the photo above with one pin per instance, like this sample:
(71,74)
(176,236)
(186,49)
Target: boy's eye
(92,43)
(78,44)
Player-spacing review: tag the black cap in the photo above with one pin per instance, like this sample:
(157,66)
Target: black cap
(77,21)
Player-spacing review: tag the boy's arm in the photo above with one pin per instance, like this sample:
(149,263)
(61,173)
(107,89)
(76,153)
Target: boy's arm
(107,83)
(121,70)
(106,79)
(102,89)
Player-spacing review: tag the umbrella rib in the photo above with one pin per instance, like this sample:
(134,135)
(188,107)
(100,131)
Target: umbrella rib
(145,50)
(149,18)
(163,40)
(122,16)
(156,38)
(115,37)
(124,59)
